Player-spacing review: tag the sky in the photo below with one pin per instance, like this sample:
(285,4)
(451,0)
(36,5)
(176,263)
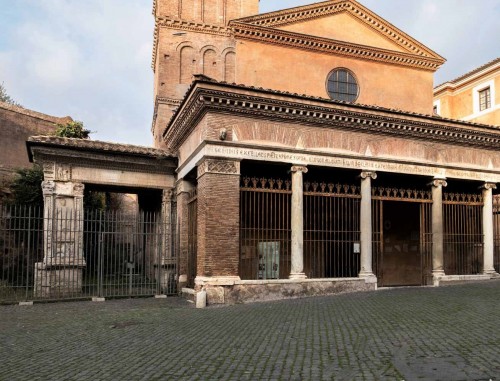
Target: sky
(91,59)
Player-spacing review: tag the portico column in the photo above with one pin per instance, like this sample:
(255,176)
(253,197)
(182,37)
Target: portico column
(366,270)
(437,228)
(297,271)
(488,267)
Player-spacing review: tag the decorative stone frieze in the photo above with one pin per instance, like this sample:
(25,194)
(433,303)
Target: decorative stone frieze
(63,172)
(226,167)
(206,95)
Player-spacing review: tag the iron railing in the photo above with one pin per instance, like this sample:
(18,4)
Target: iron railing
(463,234)
(331,230)
(265,228)
(496,229)
(70,255)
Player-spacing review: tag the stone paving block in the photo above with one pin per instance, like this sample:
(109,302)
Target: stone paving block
(448,334)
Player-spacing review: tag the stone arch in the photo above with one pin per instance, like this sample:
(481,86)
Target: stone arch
(187,60)
(210,62)
(230,66)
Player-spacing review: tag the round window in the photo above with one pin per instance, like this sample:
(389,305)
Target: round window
(341,85)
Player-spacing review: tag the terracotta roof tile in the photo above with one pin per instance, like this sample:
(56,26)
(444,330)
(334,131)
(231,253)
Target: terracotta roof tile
(98,145)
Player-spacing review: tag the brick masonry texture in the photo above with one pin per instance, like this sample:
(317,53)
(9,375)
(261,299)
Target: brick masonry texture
(16,125)
(447,333)
(218,224)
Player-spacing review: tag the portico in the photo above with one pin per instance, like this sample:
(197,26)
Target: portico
(315,211)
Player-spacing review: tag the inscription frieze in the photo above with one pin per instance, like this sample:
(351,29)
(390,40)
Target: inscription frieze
(298,158)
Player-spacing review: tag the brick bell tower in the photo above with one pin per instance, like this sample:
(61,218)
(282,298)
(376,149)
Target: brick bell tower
(191,37)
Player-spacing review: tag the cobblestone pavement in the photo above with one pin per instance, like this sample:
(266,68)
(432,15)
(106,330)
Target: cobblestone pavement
(448,333)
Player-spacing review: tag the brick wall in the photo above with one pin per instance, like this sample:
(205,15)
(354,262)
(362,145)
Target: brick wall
(218,12)
(218,218)
(181,54)
(16,125)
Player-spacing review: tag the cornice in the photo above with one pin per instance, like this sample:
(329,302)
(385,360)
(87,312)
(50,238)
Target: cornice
(164,101)
(86,160)
(325,45)
(97,147)
(189,26)
(471,76)
(313,11)
(326,114)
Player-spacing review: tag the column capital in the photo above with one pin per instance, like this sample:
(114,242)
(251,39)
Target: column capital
(488,186)
(439,182)
(370,174)
(167,195)
(299,168)
(78,189)
(48,187)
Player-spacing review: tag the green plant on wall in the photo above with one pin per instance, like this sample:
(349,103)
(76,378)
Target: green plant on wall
(73,129)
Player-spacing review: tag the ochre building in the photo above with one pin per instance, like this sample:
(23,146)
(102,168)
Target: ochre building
(473,97)
(297,153)
(309,158)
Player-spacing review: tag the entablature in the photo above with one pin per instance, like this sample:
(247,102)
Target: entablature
(211,96)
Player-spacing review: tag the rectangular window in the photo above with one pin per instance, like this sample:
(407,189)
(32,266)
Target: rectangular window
(435,110)
(484,99)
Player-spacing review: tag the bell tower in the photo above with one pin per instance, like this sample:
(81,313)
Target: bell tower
(191,37)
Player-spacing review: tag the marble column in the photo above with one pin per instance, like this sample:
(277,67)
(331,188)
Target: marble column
(297,271)
(488,238)
(366,270)
(437,229)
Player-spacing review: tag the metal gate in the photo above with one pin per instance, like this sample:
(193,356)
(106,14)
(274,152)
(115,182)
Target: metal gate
(265,229)
(496,232)
(463,233)
(421,241)
(331,230)
(192,237)
(123,254)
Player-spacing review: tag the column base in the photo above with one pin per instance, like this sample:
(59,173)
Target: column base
(492,273)
(299,276)
(369,277)
(436,276)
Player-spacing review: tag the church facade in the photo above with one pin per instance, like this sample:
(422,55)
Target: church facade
(309,158)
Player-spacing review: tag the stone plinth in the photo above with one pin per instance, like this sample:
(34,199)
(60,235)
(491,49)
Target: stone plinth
(57,282)
(234,291)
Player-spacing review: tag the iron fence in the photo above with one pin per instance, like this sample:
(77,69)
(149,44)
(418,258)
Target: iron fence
(331,230)
(70,255)
(265,228)
(463,234)
(496,230)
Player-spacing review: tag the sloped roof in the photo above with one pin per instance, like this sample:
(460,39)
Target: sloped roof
(472,72)
(97,145)
(326,8)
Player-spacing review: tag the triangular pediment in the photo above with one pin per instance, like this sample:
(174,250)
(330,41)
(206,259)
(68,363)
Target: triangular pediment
(342,20)
(343,26)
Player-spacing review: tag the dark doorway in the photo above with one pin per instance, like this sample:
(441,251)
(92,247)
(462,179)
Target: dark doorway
(402,264)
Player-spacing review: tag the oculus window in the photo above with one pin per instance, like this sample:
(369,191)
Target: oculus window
(341,85)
